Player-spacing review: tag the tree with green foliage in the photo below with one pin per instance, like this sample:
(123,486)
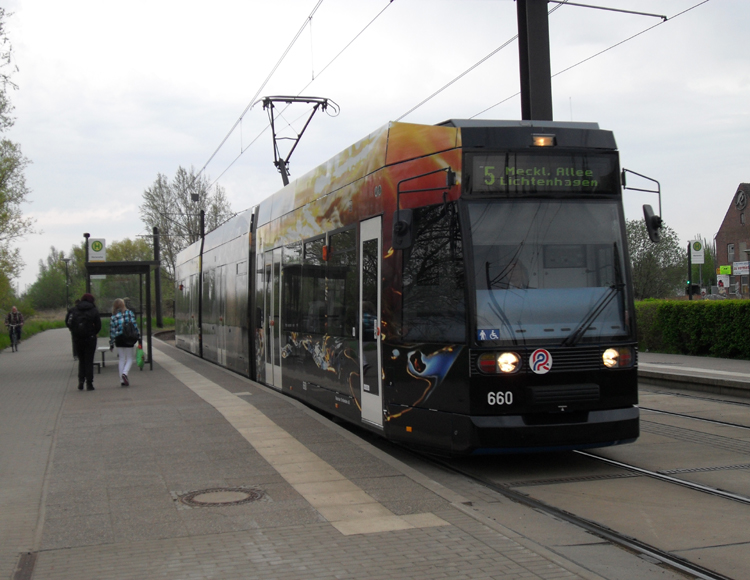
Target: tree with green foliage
(48,291)
(13,190)
(7,294)
(77,271)
(169,207)
(659,270)
(125,285)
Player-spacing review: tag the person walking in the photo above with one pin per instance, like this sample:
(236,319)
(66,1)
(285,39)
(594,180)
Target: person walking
(123,334)
(85,323)
(14,317)
(67,323)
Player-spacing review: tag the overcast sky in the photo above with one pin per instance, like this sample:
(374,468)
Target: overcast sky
(112,94)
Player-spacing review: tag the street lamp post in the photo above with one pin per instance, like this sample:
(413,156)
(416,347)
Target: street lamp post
(67,283)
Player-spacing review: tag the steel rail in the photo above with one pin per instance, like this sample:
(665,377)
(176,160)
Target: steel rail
(703,419)
(668,478)
(686,396)
(622,540)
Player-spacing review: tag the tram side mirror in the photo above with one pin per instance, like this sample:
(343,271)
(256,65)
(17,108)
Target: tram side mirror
(402,228)
(653,223)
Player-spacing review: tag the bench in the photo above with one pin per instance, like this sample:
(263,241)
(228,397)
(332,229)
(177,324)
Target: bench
(99,365)
(104,350)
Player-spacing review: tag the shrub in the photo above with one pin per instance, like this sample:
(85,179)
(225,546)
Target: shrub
(696,327)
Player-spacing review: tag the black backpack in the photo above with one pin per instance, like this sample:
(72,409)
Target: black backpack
(81,324)
(129,331)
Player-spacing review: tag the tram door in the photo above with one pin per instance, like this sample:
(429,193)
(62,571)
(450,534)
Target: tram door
(370,253)
(271,309)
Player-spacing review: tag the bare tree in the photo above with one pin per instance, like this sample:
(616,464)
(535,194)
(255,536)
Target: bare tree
(169,206)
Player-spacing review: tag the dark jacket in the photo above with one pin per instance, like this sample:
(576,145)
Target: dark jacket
(84,311)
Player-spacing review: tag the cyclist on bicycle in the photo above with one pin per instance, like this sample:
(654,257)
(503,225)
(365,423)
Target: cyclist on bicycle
(14,322)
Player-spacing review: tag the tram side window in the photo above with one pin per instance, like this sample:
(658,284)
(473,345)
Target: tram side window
(342,284)
(313,288)
(291,314)
(259,292)
(433,278)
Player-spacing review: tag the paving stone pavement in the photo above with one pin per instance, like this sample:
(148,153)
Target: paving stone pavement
(90,483)
(33,383)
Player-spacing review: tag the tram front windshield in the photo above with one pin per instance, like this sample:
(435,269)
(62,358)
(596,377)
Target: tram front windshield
(548,271)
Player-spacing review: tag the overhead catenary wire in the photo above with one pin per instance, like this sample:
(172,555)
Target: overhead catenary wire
(608,9)
(330,62)
(580,62)
(242,150)
(262,86)
(268,126)
(464,73)
(630,38)
(471,68)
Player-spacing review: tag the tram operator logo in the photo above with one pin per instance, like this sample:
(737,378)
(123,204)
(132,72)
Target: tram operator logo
(540,361)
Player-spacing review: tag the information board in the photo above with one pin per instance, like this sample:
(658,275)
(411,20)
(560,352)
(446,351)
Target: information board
(544,172)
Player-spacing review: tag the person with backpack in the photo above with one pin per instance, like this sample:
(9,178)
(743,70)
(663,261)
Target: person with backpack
(67,323)
(123,334)
(85,323)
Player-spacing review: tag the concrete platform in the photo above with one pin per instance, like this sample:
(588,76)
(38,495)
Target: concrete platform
(712,375)
(196,472)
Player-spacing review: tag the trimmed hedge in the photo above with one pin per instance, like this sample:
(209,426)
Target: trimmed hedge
(695,327)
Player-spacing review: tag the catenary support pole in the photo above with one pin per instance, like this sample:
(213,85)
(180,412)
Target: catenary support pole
(533,53)
(690,272)
(157,280)
(200,285)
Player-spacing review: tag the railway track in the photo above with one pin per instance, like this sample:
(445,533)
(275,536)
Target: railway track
(697,397)
(620,463)
(560,484)
(670,479)
(694,418)
(604,532)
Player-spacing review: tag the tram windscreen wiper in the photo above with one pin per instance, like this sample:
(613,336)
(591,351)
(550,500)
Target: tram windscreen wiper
(575,336)
(495,306)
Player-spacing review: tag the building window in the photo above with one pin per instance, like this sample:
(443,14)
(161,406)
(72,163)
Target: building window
(730,253)
(742,218)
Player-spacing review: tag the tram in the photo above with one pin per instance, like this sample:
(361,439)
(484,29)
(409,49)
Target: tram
(461,288)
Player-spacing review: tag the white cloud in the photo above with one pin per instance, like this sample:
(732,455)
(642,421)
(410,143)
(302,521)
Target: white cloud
(110,95)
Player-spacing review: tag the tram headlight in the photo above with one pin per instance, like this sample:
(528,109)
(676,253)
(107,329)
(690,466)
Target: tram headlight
(493,363)
(508,362)
(617,358)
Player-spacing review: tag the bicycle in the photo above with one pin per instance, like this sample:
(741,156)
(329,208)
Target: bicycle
(13,337)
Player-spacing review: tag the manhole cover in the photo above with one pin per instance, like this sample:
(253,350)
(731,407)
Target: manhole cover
(221,496)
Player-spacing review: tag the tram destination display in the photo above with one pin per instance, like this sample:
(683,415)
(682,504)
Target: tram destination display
(551,173)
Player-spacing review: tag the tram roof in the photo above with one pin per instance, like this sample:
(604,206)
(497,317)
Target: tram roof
(516,134)
(482,123)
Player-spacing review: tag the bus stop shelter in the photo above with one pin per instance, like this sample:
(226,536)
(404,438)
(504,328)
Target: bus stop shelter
(130,268)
